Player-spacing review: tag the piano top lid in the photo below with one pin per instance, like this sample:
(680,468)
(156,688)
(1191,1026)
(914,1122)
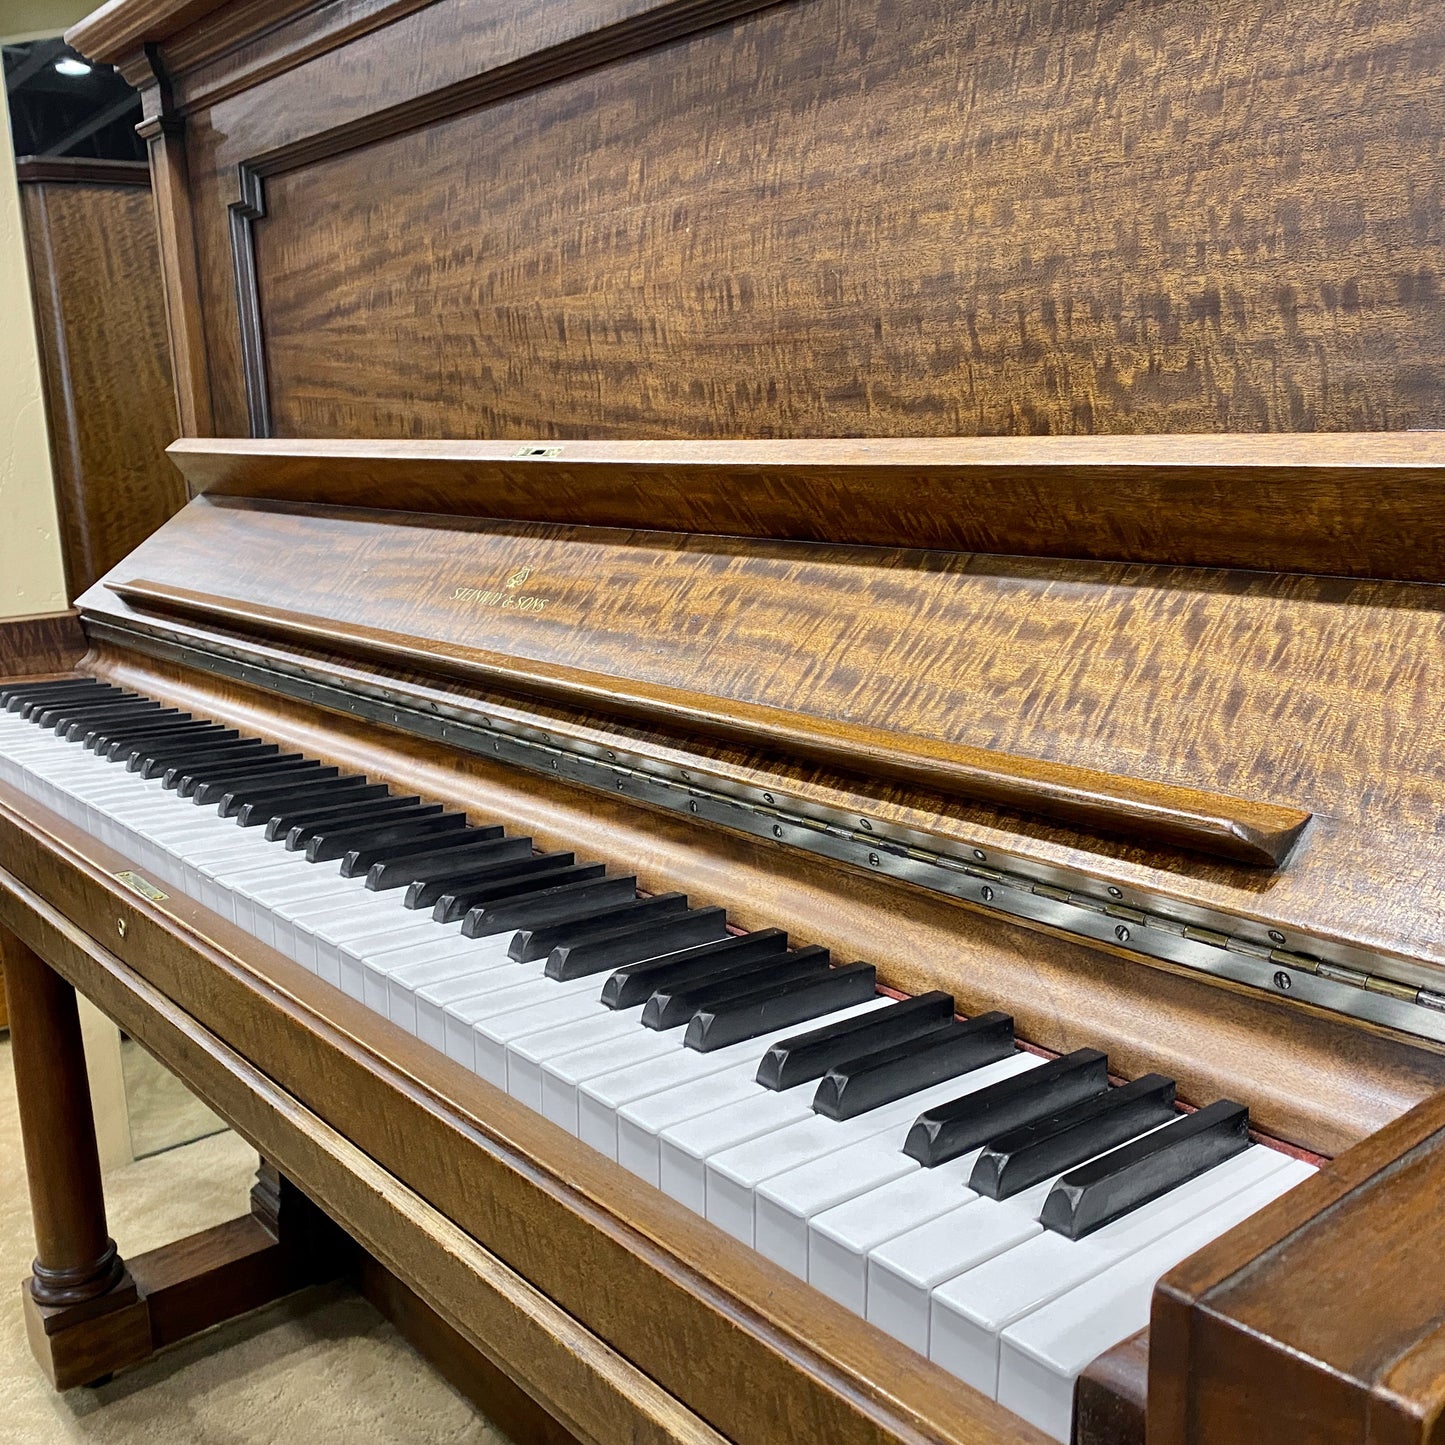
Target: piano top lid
(1242,745)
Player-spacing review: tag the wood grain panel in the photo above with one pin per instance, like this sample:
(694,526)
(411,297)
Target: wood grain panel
(100,309)
(41,643)
(849,217)
(1310,693)
(1252,1337)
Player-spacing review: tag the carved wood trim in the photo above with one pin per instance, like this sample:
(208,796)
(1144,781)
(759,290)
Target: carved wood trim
(82,170)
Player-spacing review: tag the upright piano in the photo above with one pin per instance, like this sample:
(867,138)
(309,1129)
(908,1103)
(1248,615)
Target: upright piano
(838,837)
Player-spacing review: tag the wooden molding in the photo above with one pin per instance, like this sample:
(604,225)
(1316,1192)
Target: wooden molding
(1245,831)
(1359,505)
(82,170)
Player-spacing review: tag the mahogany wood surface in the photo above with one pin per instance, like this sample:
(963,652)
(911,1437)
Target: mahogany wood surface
(514,1413)
(1320,1318)
(1297,694)
(100,312)
(1111,1396)
(617,1271)
(1361,505)
(76,1261)
(44,642)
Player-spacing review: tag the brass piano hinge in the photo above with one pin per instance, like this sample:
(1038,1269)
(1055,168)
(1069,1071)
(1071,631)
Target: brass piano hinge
(1338,978)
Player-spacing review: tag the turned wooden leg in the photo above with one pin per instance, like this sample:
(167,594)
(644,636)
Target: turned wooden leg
(78,1280)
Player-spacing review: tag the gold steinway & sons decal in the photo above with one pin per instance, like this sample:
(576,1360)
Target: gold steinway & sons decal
(509,596)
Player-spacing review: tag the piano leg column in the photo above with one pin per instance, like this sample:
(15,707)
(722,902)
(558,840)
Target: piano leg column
(83,1313)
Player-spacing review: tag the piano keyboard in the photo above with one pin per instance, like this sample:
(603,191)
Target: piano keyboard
(1004,1214)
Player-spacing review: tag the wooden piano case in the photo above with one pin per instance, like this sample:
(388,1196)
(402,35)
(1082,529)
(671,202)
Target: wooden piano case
(1135,735)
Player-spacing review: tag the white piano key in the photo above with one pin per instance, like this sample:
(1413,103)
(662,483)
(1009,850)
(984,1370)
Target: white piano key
(734,1175)
(563,1073)
(432,1000)
(1042,1355)
(640,1124)
(409,930)
(457,959)
(527,1054)
(840,1239)
(783,1205)
(969,1313)
(555,1003)
(600,1097)
(527,987)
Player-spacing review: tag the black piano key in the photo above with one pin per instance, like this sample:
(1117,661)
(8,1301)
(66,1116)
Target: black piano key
(674,1000)
(791,1002)
(76,732)
(855,1086)
(452,906)
(336,785)
(547,905)
(369,815)
(614,947)
(132,751)
(162,760)
(185,778)
(59,716)
(1024,1157)
(95,739)
(15,694)
(246,777)
(961,1125)
(360,861)
(259,814)
(445,863)
(810,1056)
(331,843)
(531,944)
(34,707)
(1106,1188)
(635,983)
(428,892)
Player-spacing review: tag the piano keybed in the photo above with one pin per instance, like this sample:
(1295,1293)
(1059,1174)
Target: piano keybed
(1005,1214)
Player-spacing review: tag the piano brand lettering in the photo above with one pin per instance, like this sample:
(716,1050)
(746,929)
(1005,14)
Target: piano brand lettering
(509,597)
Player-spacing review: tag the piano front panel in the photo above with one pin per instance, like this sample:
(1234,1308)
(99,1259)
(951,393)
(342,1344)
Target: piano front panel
(835,218)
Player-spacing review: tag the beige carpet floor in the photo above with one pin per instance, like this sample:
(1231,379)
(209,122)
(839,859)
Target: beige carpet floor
(322,1368)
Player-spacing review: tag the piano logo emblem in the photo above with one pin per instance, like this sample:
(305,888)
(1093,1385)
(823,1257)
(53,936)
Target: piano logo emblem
(509,596)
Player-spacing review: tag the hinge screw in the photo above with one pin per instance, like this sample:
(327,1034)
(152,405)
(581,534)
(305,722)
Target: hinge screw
(1282,980)
(980,855)
(120,926)
(768,798)
(987,893)
(692,807)
(1116,892)
(1275,936)
(873,859)
(865,825)
(1122,934)
(777,830)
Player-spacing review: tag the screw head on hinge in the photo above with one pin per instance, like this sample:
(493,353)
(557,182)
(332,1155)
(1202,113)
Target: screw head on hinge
(120,926)
(1122,933)
(1115,892)
(986,893)
(1275,936)
(1283,981)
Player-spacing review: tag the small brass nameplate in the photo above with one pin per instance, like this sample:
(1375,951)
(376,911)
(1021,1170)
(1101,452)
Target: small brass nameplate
(137,884)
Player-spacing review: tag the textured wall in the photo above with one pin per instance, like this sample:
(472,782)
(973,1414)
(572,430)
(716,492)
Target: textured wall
(32,578)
